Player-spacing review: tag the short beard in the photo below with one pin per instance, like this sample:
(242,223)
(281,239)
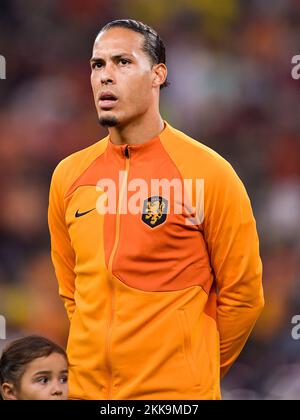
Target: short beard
(108,121)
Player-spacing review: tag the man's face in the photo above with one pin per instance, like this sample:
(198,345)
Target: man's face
(122,77)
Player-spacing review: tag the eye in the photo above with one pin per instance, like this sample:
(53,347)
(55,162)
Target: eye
(43,380)
(64,379)
(124,61)
(97,65)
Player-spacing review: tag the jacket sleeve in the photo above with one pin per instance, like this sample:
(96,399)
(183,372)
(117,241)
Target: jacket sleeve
(232,241)
(62,253)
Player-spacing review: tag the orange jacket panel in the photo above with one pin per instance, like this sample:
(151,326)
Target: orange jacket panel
(160,301)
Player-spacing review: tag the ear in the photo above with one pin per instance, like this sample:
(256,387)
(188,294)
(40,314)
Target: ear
(8,391)
(160,73)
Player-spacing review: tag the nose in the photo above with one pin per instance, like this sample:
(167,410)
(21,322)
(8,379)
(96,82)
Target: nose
(57,389)
(107,75)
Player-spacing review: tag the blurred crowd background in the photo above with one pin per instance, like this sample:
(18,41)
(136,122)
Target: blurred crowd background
(231,88)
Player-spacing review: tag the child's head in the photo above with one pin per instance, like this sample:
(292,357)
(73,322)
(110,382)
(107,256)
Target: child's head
(33,368)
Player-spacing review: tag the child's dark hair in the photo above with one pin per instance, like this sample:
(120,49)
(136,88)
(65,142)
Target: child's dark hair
(20,352)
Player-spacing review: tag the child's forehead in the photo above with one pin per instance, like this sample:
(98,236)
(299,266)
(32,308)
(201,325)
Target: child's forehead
(55,362)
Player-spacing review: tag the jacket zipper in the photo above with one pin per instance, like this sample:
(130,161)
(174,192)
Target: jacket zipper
(110,264)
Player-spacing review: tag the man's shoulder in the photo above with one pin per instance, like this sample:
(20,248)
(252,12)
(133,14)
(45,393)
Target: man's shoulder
(193,153)
(70,168)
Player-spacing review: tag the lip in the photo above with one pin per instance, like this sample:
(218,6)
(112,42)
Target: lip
(107,100)
(107,103)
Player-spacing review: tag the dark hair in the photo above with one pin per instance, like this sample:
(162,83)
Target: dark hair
(153,44)
(20,352)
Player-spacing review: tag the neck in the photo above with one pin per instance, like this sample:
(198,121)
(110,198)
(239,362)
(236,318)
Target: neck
(138,131)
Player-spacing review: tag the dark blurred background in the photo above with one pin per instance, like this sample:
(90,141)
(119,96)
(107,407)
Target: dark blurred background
(231,88)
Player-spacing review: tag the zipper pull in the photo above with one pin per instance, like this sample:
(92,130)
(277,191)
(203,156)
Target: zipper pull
(127,151)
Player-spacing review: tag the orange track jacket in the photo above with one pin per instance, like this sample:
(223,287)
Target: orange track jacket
(160,303)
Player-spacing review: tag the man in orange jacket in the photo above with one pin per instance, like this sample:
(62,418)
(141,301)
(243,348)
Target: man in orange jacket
(153,241)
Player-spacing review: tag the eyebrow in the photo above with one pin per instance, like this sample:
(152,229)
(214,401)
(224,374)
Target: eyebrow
(48,372)
(114,57)
(42,372)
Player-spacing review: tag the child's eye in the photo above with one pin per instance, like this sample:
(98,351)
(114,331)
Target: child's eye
(43,380)
(64,379)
